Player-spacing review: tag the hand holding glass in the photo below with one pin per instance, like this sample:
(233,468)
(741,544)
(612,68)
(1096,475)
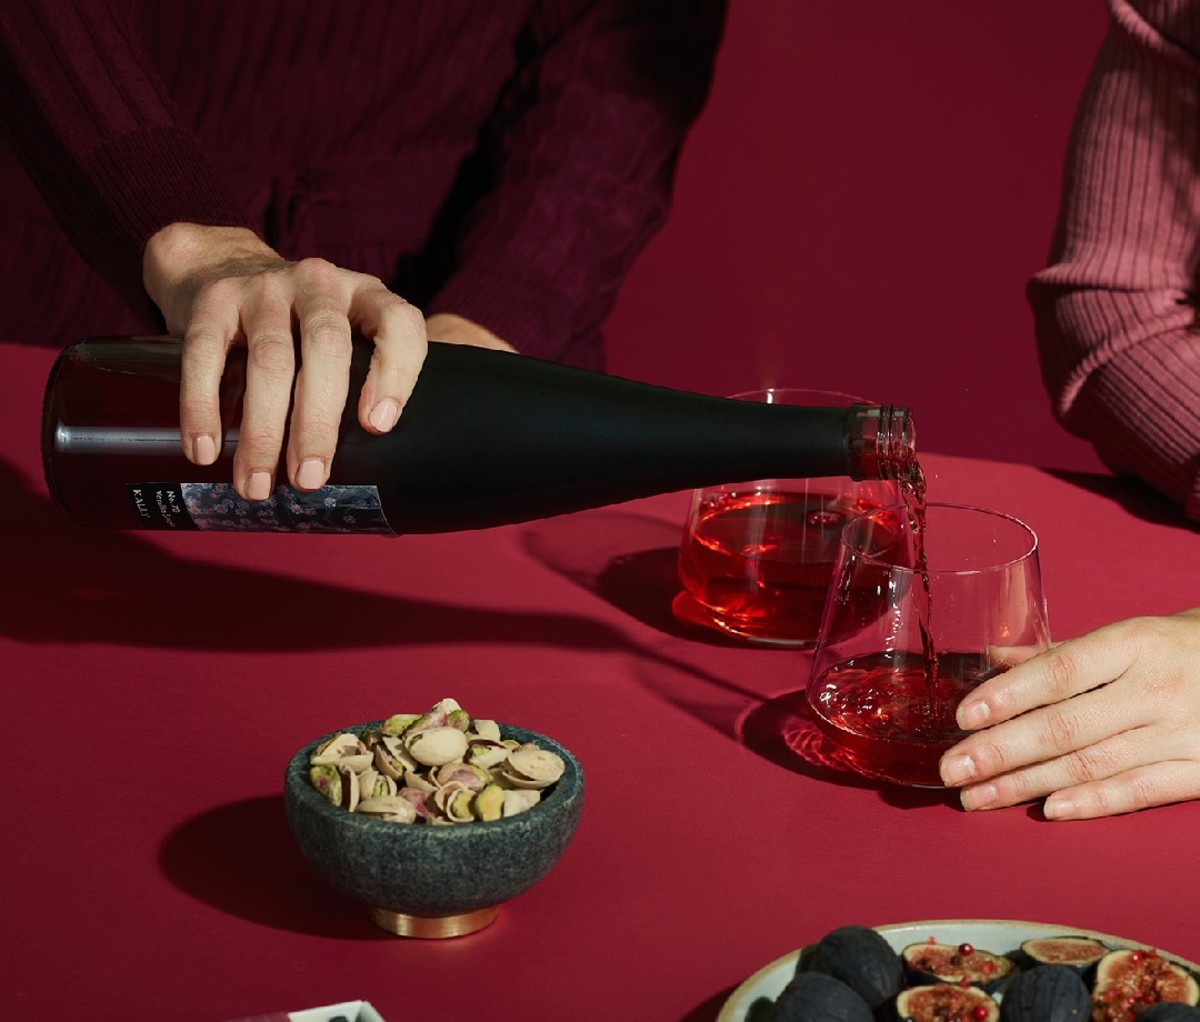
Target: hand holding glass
(900,647)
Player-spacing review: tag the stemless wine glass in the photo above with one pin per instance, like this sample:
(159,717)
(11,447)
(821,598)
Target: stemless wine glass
(925,604)
(756,557)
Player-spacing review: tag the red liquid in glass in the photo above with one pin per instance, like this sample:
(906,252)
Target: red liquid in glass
(880,711)
(761,562)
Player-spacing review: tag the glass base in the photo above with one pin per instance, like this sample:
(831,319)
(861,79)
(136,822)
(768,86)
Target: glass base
(689,611)
(433,927)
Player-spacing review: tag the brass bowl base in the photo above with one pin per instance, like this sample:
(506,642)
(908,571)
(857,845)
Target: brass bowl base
(433,927)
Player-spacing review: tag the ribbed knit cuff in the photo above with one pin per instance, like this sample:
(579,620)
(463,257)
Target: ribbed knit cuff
(143,182)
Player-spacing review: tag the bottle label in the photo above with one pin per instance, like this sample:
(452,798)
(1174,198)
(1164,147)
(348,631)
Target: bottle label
(216,507)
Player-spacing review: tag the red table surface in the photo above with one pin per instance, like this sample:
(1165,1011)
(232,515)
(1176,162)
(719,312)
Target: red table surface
(155,687)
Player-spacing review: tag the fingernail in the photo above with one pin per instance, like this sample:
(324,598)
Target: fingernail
(311,474)
(973,714)
(258,486)
(204,450)
(979,797)
(957,769)
(1058,808)
(384,415)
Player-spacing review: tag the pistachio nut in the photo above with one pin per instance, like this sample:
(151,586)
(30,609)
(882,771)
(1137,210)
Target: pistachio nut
(437,746)
(441,767)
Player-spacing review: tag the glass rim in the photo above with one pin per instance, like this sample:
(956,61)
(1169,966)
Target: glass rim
(769,392)
(903,510)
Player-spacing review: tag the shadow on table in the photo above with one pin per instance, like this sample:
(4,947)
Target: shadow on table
(629,561)
(621,557)
(1138,498)
(68,584)
(240,859)
(710,1009)
(781,729)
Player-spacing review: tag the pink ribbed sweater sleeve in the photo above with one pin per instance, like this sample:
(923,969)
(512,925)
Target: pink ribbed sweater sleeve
(99,135)
(585,144)
(1116,309)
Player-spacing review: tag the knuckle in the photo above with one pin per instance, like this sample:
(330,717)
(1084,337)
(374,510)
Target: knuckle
(327,330)
(1064,731)
(196,410)
(989,758)
(316,435)
(398,316)
(1014,788)
(1062,672)
(203,342)
(259,445)
(315,272)
(1094,763)
(272,353)
(1143,792)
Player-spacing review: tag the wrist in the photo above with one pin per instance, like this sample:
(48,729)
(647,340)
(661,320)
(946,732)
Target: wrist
(180,251)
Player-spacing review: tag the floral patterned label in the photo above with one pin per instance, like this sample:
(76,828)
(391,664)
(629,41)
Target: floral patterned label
(217,507)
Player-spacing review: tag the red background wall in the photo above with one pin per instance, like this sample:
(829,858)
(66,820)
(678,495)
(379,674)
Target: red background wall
(859,207)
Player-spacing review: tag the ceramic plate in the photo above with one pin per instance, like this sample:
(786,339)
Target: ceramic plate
(998,935)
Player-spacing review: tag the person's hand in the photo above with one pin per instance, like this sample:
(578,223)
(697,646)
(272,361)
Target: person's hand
(1107,723)
(223,286)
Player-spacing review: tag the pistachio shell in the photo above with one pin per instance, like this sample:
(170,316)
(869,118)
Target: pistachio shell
(418,798)
(343,747)
(372,784)
(487,754)
(442,798)
(392,759)
(386,765)
(531,767)
(350,792)
(441,766)
(487,729)
(434,718)
(415,779)
(437,746)
(465,773)
(517,801)
(392,808)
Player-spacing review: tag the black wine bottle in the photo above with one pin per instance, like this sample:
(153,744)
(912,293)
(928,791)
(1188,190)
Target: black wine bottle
(487,438)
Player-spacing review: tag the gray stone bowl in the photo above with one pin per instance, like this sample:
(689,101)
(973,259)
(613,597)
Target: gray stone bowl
(420,872)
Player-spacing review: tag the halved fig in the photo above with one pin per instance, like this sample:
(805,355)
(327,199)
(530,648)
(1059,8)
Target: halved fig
(1046,993)
(1080,953)
(949,963)
(862,959)
(818,997)
(946,1002)
(1128,981)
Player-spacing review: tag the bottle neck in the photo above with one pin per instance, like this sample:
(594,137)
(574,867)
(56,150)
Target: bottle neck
(882,442)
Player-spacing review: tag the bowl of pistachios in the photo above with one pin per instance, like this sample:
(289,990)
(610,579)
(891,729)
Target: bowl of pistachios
(433,820)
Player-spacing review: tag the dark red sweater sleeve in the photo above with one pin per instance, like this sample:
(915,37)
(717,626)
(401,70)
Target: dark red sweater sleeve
(99,136)
(1116,309)
(584,145)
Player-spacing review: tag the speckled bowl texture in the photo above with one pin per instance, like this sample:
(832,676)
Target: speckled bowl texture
(422,870)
